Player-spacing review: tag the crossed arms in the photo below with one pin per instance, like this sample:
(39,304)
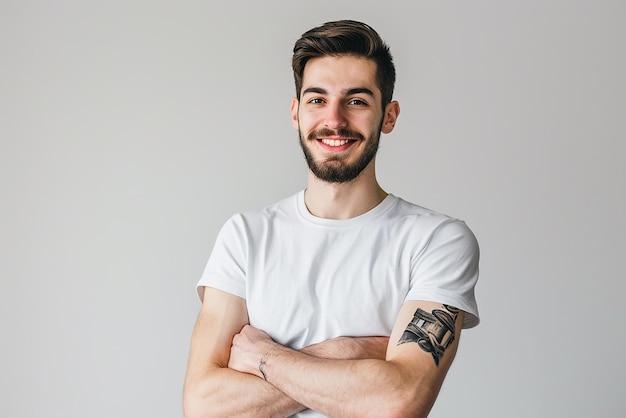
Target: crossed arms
(237,370)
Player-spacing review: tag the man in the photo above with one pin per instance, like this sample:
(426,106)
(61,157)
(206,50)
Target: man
(342,300)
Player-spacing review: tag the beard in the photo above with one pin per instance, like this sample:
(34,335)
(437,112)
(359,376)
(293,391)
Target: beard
(335,169)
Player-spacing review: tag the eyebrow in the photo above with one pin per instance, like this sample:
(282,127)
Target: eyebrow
(348,92)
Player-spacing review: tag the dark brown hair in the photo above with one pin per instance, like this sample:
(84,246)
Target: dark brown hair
(345,37)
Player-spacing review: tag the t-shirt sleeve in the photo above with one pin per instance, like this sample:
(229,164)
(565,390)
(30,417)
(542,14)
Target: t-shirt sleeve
(226,268)
(446,270)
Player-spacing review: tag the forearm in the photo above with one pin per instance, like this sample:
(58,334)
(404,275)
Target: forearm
(228,393)
(211,388)
(403,384)
(338,388)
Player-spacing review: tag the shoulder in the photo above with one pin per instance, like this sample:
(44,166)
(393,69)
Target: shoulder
(252,219)
(429,224)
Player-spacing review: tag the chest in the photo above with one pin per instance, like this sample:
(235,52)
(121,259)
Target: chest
(307,287)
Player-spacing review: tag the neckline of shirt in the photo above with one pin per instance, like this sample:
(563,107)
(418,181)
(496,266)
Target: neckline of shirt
(376,211)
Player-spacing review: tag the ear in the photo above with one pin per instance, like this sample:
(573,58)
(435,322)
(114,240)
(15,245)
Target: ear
(294,113)
(392,111)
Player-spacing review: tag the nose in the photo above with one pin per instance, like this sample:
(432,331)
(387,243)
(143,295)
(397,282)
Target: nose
(335,117)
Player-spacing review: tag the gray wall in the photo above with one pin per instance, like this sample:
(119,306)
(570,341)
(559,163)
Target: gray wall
(131,130)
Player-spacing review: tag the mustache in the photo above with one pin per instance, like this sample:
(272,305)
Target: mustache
(343,132)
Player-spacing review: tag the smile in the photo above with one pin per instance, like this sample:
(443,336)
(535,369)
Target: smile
(334,142)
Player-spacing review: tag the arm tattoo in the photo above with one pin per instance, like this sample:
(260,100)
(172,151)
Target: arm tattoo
(433,332)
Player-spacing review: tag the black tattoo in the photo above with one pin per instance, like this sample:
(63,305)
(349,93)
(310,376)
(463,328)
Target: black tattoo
(262,368)
(433,332)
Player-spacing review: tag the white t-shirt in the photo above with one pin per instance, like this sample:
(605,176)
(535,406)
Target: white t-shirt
(307,279)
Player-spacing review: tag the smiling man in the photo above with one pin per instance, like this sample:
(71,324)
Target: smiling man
(343,299)
(346,85)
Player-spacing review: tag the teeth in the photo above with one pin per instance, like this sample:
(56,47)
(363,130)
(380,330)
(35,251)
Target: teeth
(335,142)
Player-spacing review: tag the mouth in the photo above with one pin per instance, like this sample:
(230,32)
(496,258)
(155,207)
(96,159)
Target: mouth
(335,142)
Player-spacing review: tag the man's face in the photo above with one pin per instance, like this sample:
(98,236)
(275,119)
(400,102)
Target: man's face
(338,116)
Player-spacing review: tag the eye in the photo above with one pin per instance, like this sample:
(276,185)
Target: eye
(316,101)
(357,102)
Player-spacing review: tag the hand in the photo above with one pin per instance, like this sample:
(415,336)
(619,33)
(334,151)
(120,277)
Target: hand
(248,349)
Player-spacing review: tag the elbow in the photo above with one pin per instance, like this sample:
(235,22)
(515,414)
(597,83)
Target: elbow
(402,404)
(191,406)
(410,407)
(200,401)
(195,409)
(203,397)
(407,413)
(195,404)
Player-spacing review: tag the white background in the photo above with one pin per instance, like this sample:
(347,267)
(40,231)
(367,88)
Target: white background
(130,131)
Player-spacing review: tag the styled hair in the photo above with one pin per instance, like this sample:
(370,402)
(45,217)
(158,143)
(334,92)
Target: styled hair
(345,37)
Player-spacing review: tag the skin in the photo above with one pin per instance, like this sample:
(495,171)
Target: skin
(214,390)
(371,376)
(404,384)
(327,102)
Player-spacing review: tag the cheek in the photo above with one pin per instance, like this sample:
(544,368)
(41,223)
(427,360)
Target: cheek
(304,123)
(367,123)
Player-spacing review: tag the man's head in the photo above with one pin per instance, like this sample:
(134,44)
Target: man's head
(346,37)
(344,81)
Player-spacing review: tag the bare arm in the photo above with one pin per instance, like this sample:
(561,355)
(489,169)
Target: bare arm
(212,389)
(421,349)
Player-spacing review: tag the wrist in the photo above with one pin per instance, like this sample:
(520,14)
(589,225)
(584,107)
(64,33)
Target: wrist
(262,367)
(265,358)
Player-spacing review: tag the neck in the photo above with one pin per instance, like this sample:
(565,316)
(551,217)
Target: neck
(343,200)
